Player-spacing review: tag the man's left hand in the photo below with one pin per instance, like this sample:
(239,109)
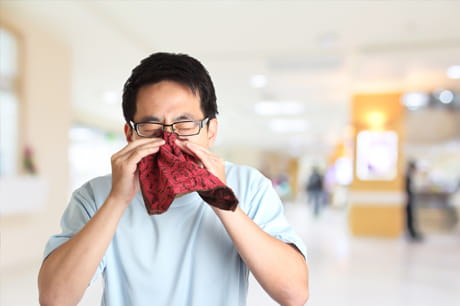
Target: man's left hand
(206,158)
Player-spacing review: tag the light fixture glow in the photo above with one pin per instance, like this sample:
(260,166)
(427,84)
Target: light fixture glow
(258,81)
(453,72)
(270,108)
(328,40)
(446,96)
(376,120)
(414,100)
(288,125)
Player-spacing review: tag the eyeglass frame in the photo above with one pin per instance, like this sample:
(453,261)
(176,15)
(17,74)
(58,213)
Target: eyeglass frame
(134,125)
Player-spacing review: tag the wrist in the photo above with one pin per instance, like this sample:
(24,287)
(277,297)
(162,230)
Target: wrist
(116,200)
(222,213)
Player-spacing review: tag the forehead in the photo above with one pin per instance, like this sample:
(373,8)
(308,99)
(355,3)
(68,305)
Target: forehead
(167,100)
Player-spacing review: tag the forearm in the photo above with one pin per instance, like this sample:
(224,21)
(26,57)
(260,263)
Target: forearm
(66,273)
(279,268)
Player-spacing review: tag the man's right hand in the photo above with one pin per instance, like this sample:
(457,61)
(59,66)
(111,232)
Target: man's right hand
(125,178)
(67,271)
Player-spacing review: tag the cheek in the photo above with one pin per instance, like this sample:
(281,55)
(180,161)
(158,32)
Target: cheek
(200,139)
(205,142)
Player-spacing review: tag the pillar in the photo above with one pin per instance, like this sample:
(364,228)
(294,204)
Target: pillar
(376,196)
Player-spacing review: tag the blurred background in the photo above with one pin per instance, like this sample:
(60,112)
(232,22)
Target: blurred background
(329,99)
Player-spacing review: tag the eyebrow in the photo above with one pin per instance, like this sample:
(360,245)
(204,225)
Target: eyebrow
(185,116)
(149,119)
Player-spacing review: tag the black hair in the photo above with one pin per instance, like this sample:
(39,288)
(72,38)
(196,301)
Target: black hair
(180,68)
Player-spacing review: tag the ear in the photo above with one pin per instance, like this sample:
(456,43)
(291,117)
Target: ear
(212,131)
(128,132)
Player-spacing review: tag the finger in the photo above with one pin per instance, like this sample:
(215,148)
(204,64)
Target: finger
(139,142)
(183,146)
(136,155)
(126,152)
(196,151)
(209,159)
(129,165)
(201,151)
(130,159)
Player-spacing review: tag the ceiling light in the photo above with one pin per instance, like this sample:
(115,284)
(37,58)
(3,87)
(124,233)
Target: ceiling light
(414,100)
(376,120)
(446,96)
(453,72)
(258,81)
(328,40)
(270,108)
(288,125)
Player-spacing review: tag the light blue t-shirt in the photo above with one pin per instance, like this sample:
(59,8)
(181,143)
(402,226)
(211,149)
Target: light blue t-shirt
(183,256)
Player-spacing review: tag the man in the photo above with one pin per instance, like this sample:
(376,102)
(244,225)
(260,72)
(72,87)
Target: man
(414,235)
(192,254)
(315,190)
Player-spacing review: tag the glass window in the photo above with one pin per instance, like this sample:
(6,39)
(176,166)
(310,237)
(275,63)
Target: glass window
(8,103)
(90,153)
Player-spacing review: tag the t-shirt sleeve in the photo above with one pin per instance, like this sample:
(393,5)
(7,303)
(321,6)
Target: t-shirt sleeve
(80,210)
(265,208)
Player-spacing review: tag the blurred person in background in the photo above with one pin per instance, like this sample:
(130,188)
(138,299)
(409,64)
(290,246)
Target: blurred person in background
(192,254)
(315,190)
(413,233)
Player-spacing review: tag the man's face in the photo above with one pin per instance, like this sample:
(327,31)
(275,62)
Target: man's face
(168,102)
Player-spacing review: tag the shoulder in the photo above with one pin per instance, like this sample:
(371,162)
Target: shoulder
(244,175)
(95,190)
(100,182)
(250,186)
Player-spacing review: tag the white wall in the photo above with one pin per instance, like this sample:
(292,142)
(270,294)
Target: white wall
(45,111)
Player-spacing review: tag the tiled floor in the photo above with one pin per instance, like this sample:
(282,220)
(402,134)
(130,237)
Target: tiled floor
(344,270)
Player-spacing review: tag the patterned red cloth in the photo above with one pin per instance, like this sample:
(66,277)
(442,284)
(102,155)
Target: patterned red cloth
(171,171)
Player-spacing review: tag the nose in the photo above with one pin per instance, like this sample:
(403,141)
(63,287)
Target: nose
(170,126)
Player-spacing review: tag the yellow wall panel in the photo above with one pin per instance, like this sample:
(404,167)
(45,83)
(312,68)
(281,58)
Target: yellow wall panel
(376,220)
(378,112)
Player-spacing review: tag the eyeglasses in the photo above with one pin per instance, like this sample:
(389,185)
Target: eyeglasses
(180,128)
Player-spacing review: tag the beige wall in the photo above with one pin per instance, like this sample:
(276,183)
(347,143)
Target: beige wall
(432,125)
(45,111)
(271,164)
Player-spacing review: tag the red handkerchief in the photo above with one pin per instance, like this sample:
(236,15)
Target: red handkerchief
(171,171)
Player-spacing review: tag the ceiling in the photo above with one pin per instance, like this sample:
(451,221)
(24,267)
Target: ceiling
(316,53)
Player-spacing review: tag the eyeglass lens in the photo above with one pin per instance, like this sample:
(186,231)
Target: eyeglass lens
(186,128)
